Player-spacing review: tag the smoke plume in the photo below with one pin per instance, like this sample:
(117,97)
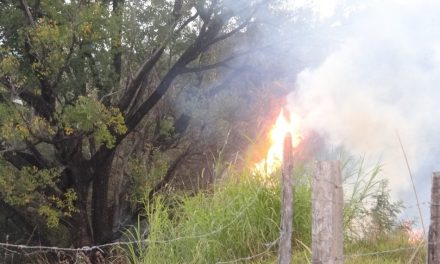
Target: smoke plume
(382,80)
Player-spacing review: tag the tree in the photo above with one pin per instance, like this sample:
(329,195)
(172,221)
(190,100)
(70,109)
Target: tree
(77,80)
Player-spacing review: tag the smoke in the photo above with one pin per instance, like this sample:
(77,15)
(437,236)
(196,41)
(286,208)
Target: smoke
(383,79)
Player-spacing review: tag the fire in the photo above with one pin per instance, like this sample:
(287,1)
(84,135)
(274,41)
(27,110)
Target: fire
(415,235)
(285,123)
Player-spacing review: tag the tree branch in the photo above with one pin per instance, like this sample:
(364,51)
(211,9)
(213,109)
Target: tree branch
(169,175)
(184,24)
(134,85)
(192,52)
(36,102)
(37,154)
(222,63)
(20,159)
(232,32)
(46,89)
(27,13)
(220,87)
(95,73)
(66,62)
(117,41)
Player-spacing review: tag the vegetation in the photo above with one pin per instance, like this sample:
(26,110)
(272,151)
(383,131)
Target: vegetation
(239,220)
(120,119)
(94,95)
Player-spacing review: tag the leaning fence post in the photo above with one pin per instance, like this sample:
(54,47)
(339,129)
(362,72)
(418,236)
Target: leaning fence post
(434,227)
(285,248)
(327,215)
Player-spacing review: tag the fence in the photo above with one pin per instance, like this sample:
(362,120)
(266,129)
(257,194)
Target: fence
(434,227)
(327,246)
(327,213)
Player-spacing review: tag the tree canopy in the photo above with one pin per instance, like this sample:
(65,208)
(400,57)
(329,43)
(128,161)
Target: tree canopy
(111,109)
(85,85)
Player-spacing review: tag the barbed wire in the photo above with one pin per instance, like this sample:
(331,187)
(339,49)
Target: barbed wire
(377,253)
(390,251)
(266,251)
(356,255)
(372,202)
(9,246)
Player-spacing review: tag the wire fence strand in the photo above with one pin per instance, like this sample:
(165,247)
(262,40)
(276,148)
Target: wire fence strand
(10,246)
(21,249)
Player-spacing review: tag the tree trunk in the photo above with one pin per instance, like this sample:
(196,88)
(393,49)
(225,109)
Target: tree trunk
(102,209)
(80,228)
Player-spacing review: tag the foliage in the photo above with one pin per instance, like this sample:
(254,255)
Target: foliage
(89,116)
(241,215)
(18,186)
(362,184)
(384,213)
(397,239)
(82,83)
(367,198)
(238,218)
(91,95)
(143,175)
(233,213)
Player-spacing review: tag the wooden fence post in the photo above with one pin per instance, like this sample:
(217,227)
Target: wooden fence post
(285,246)
(434,227)
(327,214)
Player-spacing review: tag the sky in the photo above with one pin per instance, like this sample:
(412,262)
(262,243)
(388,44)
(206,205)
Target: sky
(322,9)
(379,83)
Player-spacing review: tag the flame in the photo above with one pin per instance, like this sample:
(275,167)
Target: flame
(285,123)
(415,235)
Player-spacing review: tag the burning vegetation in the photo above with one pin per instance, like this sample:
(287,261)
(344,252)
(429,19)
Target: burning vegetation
(127,119)
(286,123)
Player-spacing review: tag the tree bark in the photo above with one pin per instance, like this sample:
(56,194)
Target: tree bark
(102,211)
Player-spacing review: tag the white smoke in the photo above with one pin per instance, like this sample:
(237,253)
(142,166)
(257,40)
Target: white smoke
(322,9)
(383,79)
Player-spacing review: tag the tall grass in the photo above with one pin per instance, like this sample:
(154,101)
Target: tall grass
(240,217)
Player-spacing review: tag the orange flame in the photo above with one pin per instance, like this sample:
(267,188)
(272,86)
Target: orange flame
(415,235)
(285,123)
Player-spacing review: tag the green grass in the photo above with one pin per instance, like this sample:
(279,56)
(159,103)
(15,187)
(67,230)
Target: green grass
(240,218)
(235,220)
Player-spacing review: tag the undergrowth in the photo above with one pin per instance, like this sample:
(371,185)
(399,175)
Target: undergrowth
(238,220)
